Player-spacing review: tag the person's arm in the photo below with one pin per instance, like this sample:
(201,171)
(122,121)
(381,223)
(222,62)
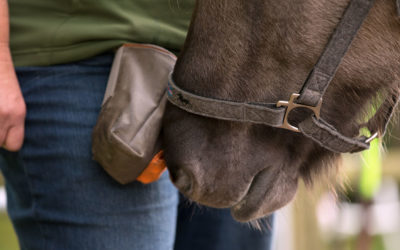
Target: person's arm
(12,104)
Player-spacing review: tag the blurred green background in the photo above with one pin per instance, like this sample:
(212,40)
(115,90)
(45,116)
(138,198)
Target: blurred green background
(8,240)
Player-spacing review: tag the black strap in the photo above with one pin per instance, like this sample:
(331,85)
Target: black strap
(329,61)
(318,130)
(267,114)
(398,7)
(328,137)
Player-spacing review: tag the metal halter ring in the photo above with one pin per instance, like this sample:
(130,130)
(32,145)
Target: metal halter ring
(372,137)
(291,104)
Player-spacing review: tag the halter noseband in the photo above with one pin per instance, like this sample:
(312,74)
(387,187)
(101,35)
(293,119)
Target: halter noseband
(310,97)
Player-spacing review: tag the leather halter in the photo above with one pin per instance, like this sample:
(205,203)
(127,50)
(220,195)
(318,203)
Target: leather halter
(310,97)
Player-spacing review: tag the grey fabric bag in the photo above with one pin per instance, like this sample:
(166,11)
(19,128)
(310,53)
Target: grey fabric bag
(126,136)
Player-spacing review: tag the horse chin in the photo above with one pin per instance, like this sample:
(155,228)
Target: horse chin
(267,193)
(217,198)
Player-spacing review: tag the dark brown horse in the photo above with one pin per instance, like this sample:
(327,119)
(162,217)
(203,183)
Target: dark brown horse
(262,51)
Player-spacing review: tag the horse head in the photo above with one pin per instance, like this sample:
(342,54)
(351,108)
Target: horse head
(253,51)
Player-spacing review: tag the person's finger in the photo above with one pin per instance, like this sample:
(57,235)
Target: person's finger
(14,138)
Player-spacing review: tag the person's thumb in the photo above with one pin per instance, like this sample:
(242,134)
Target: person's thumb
(14,138)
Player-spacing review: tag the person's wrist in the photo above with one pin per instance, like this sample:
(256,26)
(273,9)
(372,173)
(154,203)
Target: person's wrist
(5,53)
(6,63)
(4,44)
(8,79)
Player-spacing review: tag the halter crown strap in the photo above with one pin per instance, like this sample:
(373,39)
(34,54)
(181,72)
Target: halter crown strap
(398,7)
(329,61)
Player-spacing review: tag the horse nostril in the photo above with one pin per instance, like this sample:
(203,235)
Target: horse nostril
(181,180)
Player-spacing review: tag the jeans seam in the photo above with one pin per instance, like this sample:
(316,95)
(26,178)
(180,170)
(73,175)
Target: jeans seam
(36,217)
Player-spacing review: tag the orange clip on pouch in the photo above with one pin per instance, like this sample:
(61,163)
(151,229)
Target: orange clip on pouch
(154,170)
(125,140)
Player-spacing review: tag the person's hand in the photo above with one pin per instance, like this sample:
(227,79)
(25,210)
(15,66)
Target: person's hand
(12,104)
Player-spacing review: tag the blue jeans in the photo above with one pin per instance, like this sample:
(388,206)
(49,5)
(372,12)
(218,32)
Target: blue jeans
(204,228)
(59,198)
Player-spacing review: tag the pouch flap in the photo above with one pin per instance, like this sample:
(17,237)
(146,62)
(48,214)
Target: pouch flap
(126,135)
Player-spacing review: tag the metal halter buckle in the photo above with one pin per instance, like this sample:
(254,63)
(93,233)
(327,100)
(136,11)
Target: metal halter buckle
(292,105)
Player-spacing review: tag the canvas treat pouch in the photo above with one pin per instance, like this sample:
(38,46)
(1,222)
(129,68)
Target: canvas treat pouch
(126,136)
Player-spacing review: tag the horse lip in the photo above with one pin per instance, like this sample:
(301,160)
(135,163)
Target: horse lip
(238,204)
(225,204)
(267,193)
(186,184)
(183,182)
(191,192)
(242,203)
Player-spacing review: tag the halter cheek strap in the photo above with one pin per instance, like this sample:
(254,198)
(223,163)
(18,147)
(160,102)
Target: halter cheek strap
(325,69)
(398,7)
(322,75)
(310,97)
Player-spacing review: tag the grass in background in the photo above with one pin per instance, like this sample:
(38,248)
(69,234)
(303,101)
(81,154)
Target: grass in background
(8,240)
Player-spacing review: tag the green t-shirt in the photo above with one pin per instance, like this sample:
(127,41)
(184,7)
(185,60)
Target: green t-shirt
(47,32)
